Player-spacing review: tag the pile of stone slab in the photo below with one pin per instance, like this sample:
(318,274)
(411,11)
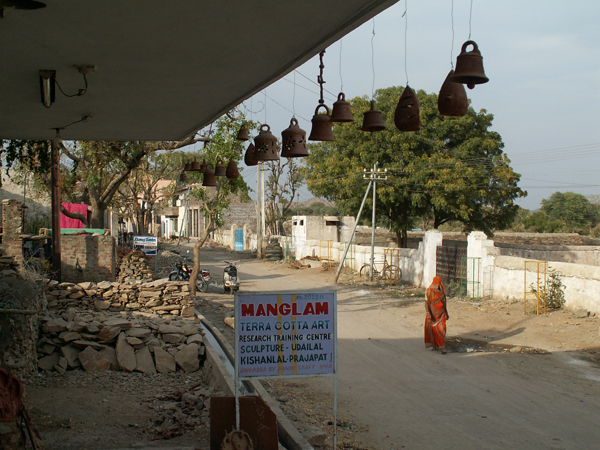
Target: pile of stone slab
(161,297)
(8,265)
(141,342)
(134,267)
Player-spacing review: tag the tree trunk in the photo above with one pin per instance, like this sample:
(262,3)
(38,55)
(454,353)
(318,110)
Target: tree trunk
(196,252)
(97,216)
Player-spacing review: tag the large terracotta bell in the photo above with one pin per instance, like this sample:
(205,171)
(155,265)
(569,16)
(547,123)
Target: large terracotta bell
(242,134)
(188,166)
(406,116)
(293,141)
(182,177)
(250,156)
(341,110)
(322,126)
(195,167)
(209,177)
(373,120)
(469,67)
(452,100)
(232,170)
(220,169)
(265,145)
(203,167)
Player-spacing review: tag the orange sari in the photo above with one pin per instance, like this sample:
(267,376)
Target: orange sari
(435,315)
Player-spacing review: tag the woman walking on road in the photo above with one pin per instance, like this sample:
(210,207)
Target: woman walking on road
(436,315)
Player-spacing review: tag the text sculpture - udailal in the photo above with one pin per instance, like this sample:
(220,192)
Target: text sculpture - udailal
(285,333)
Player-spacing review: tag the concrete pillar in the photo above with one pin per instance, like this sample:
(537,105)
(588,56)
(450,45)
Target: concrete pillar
(431,241)
(480,264)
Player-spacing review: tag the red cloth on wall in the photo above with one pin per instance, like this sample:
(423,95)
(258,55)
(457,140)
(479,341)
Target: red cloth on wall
(67,222)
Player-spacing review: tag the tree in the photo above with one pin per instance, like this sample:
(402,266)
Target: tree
(224,147)
(453,169)
(281,186)
(573,210)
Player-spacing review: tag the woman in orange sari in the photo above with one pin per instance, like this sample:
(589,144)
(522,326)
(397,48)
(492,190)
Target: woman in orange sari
(436,315)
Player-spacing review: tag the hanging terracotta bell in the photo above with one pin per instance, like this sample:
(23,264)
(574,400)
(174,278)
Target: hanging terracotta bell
(266,145)
(195,166)
(242,134)
(373,120)
(220,169)
(188,166)
(182,177)
(322,126)
(209,177)
(232,170)
(203,167)
(250,156)
(406,116)
(469,67)
(452,100)
(341,110)
(293,141)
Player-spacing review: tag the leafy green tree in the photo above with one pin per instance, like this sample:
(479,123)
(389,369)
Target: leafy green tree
(573,210)
(539,222)
(282,182)
(453,169)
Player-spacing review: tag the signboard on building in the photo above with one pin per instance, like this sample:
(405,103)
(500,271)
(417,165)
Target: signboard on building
(147,244)
(285,333)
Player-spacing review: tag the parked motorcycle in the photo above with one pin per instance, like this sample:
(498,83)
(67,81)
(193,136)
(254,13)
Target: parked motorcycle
(183,272)
(231,281)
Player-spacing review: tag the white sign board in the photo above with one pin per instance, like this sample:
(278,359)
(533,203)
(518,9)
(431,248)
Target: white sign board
(285,333)
(147,244)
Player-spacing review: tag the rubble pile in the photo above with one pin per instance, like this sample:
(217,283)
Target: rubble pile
(8,265)
(141,342)
(134,267)
(161,296)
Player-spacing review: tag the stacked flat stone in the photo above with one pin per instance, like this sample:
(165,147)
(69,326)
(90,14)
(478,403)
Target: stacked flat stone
(134,267)
(8,265)
(162,297)
(140,342)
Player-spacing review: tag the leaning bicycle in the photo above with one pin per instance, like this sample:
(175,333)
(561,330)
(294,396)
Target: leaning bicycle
(388,274)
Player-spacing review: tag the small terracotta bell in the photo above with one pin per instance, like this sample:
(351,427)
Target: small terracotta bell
(293,141)
(232,170)
(220,169)
(209,177)
(188,166)
(182,177)
(250,156)
(195,166)
(452,100)
(265,145)
(341,110)
(322,126)
(203,167)
(373,120)
(242,134)
(406,116)
(469,67)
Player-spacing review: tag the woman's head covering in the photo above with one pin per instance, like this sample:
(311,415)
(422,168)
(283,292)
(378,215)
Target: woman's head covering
(437,281)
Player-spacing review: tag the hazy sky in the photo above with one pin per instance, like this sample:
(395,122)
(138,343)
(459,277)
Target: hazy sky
(541,57)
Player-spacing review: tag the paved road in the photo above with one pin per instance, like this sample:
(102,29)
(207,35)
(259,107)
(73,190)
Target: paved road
(412,398)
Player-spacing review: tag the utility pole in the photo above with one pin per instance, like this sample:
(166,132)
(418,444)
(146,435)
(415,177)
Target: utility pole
(55,196)
(374,175)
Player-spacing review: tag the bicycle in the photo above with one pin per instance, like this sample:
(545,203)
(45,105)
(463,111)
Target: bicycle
(389,274)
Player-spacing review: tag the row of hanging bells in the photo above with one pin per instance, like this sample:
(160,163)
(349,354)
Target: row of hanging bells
(210,174)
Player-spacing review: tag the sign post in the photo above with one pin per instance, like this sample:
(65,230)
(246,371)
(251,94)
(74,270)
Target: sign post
(149,245)
(286,334)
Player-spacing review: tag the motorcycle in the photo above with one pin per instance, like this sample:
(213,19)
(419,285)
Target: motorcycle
(182,273)
(231,281)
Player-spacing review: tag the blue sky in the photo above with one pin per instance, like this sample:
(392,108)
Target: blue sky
(542,59)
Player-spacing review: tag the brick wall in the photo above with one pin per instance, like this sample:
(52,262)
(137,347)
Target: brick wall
(12,220)
(88,258)
(240,214)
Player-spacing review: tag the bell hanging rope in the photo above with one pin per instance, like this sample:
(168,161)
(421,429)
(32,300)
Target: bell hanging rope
(406,117)
(341,110)
(373,120)
(452,100)
(242,134)
(220,169)
(209,177)
(293,141)
(322,126)
(469,67)
(232,171)
(250,156)
(265,144)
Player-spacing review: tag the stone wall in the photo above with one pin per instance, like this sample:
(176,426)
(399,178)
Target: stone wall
(12,220)
(88,258)
(240,214)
